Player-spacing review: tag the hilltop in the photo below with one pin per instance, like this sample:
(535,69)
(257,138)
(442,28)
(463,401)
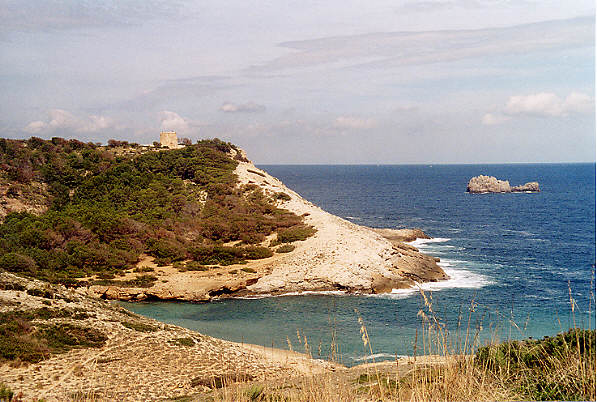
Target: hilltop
(131,222)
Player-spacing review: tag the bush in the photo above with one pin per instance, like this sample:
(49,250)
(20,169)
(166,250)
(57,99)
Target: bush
(295,233)
(285,248)
(139,327)
(281,196)
(248,270)
(257,253)
(166,249)
(194,266)
(546,369)
(217,255)
(14,262)
(182,342)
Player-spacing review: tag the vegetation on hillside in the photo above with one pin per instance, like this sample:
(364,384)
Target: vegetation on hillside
(108,207)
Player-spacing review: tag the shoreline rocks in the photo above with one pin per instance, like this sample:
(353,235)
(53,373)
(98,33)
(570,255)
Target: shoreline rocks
(489,184)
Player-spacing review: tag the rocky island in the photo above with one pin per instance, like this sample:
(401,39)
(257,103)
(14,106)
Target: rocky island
(489,184)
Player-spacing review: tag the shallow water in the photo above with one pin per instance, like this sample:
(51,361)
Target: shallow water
(513,256)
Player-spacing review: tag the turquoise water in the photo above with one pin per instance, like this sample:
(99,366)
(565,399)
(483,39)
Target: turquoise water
(519,259)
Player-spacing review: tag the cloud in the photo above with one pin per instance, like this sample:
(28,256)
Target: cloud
(542,104)
(492,119)
(35,15)
(429,6)
(171,121)
(548,104)
(353,123)
(59,119)
(391,49)
(249,107)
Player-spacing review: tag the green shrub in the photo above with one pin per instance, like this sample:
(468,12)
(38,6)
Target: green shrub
(532,366)
(255,172)
(257,252)
(48,294)
(285,248)
(281,196)
(6,393)
(295,233)
(14,262)
(217,255)
(20,339)
(182,342)
(139,327)
(195,266)
(166,249)
(144,269)
(63,337)
(248,270)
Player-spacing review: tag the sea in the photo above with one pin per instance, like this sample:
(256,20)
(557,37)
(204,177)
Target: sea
(521,265)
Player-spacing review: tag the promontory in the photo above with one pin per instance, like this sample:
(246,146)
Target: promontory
(133,222)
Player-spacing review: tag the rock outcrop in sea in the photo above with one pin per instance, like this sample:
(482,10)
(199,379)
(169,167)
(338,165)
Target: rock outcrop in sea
(489,184)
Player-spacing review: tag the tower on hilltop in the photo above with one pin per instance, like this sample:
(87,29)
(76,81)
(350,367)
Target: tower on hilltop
(169,139)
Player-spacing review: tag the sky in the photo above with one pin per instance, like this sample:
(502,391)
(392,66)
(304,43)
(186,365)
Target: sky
(302,82)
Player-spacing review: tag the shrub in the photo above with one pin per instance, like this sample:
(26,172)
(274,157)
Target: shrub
(295,233)
(166,249)
(6,393)
(255,172)
(139,327)
(248,270)
(285,248)
(195,266)
(257,252)
(182,342)
(281,196)
(63,337)
(14,262)
(217,255)
(546,369)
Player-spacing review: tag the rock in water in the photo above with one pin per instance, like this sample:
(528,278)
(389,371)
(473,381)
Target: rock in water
(532,187)
(489,184)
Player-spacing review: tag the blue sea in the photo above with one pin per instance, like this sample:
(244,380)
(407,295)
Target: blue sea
(521,265)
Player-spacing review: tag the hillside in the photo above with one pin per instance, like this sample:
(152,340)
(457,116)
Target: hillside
(131,222)
(91,210)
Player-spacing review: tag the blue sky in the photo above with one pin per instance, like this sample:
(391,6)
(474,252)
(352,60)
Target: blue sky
(442,81)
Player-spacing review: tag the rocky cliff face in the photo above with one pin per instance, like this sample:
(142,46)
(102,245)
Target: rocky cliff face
(489,184)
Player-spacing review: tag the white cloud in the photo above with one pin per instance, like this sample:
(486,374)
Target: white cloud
(391,49)
(578,102)
(171,121)
(249,107)
(353,123)
(59,119)
(542,104)
(492,119)
(548,104)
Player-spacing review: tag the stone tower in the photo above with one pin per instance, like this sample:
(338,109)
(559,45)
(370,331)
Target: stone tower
(168,139)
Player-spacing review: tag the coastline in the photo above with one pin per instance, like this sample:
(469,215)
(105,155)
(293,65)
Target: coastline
(340,256)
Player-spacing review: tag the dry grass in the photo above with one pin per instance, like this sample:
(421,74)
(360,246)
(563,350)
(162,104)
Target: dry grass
(449,367)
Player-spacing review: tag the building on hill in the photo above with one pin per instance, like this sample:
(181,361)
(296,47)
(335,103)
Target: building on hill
(169,139)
